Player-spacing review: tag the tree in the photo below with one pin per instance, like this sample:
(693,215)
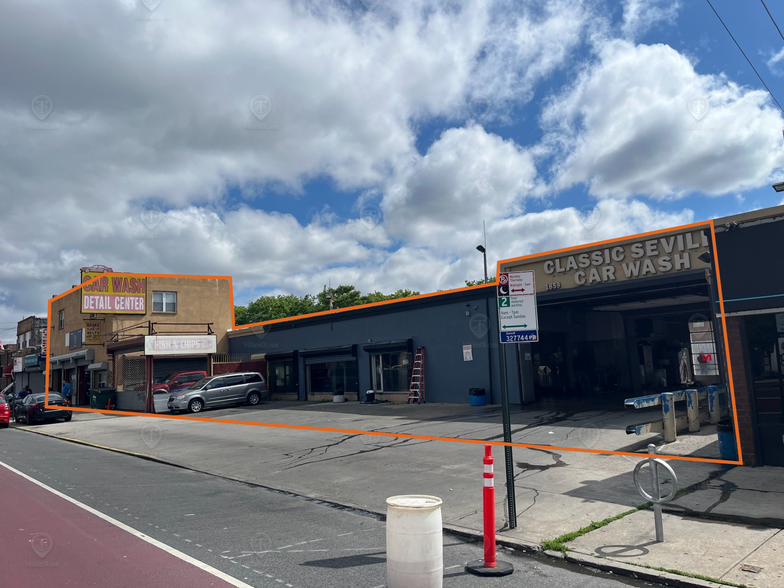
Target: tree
(266,308)
(489,280)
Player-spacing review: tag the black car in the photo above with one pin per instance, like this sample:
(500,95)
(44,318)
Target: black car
(32,409)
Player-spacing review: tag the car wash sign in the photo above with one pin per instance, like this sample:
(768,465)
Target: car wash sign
(113,293)
(517,318)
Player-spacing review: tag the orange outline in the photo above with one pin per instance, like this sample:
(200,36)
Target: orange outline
(551,253)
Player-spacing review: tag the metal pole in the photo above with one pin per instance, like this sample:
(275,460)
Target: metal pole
(510,489)
(657,508)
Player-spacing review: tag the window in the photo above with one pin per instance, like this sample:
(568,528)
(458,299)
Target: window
(391,371)
(62,319)
(216,383)
(164,301)
(233,380)
(250,378)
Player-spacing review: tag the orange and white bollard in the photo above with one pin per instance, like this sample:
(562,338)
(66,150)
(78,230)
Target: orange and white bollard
(489,566)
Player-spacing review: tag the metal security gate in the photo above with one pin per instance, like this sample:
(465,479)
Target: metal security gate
(130,380)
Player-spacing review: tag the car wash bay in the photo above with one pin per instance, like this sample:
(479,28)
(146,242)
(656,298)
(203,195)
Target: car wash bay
(622,321)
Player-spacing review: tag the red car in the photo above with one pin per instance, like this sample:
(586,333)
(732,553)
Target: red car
(177,380)
(5,413)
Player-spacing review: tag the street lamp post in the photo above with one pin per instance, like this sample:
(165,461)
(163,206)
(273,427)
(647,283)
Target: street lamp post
(484,256)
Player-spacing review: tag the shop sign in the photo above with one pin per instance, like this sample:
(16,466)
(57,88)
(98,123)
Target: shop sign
(43,342)
(113,294)
(468,353)
(517,317)
(75,339)
(93,332)
(32,360)
(18,364)
(616,263)
(180,344)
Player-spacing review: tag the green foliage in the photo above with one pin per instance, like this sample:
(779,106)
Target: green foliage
(489,280)
(268,308)
(558,544)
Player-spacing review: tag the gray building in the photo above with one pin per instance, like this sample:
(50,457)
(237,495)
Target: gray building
(374,348)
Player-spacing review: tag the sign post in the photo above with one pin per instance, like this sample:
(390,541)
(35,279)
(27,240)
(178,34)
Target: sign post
(517,323)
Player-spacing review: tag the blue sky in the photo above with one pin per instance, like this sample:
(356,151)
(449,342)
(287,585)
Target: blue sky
(394,129)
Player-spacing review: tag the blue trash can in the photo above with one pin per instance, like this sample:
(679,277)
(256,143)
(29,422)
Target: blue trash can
(478,397)
(727,447)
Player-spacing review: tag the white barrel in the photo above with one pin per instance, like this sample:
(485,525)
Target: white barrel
(415,544)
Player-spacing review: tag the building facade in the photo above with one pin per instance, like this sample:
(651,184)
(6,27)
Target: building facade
(619,319)
(125,331)
(30,362)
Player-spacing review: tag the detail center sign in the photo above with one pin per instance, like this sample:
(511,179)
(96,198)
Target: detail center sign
(114,294)
(517,318)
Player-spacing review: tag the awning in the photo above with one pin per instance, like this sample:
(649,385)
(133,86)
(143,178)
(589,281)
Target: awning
(390,346)
(84,355)
(281,356)
(8,370)
(97,366)
(258,356)
(330,354)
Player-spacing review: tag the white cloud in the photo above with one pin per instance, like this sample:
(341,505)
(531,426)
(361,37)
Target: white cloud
(775,63)
(640,15)
(625,128)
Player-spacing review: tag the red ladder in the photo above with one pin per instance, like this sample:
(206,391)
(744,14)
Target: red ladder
(416,391)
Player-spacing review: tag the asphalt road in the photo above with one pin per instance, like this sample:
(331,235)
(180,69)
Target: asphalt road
(261,537)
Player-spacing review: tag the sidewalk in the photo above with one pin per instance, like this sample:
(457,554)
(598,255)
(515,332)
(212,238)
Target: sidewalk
(725,517)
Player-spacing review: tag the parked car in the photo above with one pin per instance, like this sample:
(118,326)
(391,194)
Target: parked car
(222,390)
(176,380)
(5,413)
(33,409)
(7,390)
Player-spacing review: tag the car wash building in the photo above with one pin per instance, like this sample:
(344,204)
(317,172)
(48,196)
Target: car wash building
(616,319)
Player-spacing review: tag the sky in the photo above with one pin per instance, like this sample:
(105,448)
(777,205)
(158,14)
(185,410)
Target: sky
(296,143)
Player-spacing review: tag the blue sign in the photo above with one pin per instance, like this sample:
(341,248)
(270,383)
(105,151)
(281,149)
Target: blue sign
(32,360)
(519,336)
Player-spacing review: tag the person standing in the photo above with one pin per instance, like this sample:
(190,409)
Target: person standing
(67,393)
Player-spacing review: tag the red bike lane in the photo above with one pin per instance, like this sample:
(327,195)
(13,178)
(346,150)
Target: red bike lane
(49,541)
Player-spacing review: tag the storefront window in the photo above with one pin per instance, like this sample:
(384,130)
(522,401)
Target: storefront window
(391,371)
(331,377)
(100,378)
(282,376)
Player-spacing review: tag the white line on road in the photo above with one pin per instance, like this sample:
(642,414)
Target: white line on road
(178,554)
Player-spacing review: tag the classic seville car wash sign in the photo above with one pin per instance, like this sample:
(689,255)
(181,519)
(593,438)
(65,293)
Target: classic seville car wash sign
(664,254)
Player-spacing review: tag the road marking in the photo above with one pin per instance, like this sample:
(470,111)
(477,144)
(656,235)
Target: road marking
(170,550)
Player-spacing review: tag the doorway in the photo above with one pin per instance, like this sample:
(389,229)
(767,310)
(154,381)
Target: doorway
(766,350)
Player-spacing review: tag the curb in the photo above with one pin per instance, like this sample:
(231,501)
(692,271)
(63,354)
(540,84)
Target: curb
(598,563)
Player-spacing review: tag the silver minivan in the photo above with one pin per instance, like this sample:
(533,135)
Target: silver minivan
(222,390)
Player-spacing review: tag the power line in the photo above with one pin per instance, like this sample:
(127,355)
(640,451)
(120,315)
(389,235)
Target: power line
(744,55)
(775,24)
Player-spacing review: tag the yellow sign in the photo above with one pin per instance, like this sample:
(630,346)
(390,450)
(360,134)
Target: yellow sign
(92,332)
(113,294)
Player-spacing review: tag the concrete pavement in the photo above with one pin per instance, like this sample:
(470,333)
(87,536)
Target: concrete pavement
(259,537)
(557,491)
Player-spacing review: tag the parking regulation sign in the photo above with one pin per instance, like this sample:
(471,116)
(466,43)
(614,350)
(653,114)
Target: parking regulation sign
(517,318)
